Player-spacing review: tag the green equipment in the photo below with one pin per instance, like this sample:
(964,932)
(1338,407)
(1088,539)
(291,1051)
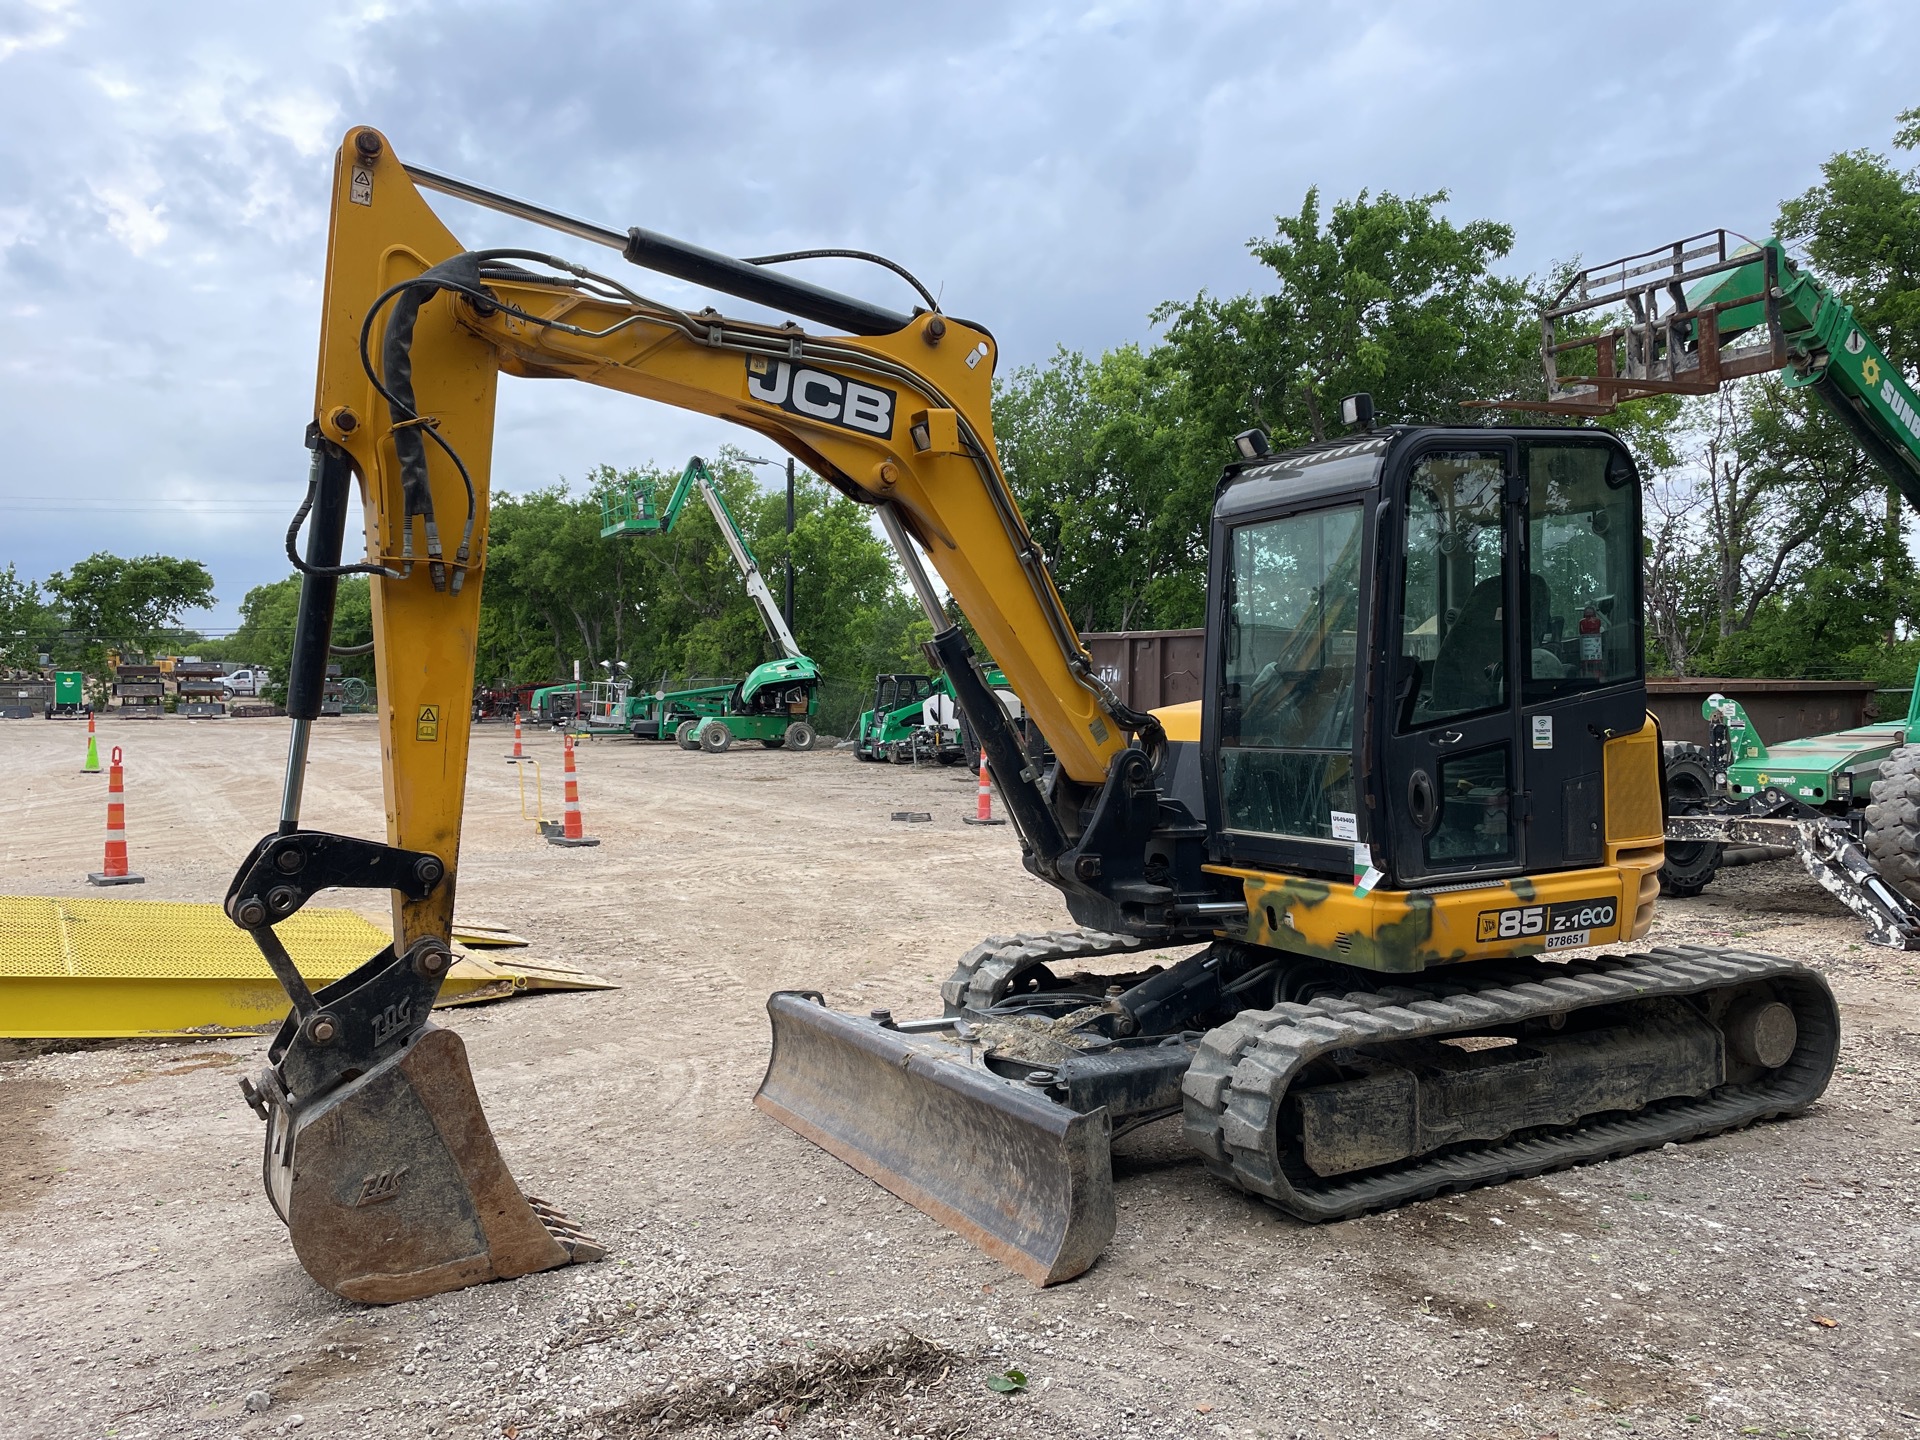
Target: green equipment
(69,696)
(1704,311)
(586,706)
(1818,770)
(913,719)
(776,701)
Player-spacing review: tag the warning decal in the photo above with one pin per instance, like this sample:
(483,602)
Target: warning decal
(427,726)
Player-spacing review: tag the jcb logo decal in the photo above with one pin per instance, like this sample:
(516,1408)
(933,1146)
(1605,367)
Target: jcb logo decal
(850,404)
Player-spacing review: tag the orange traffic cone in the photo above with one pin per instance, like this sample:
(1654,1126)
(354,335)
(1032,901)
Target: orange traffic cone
(92,767)
(572,832)
(518,754)
(114,871)
(983,805)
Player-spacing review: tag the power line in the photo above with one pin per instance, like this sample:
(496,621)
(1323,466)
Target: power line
(51,503)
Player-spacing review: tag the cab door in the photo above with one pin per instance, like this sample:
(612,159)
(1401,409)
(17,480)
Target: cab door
(1452,789)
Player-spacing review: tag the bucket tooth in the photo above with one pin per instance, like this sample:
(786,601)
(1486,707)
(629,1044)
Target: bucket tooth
(1028,1181)
(392,1186)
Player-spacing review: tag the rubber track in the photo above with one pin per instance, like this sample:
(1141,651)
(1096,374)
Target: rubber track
(981,979)
(1241,1074)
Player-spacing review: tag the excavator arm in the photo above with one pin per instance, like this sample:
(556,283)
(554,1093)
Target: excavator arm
(378,1156)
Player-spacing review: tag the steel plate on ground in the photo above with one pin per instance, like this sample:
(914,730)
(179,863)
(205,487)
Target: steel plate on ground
(1028,1181)
(96,969)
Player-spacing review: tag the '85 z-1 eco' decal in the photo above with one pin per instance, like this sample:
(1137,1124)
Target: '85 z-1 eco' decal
(821,395)
(1566,926)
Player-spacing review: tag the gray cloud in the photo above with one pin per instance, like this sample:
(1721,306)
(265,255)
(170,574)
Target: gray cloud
(1053,171)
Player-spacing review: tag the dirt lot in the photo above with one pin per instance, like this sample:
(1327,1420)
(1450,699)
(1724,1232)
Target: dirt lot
(1762,1283)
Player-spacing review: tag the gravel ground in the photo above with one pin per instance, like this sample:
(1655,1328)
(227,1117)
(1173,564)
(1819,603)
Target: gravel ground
(1761,1283)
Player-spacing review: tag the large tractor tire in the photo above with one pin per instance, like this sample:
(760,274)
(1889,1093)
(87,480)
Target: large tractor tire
(715,737)
(799,736)
(687,733)
(1691,865)
(1893,821)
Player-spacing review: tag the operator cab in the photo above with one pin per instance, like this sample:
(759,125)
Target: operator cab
(1419,642)
(891,692)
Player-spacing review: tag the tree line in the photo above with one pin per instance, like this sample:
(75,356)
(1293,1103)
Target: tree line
(1773,547)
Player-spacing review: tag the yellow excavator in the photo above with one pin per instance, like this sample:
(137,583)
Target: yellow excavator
(1318,914)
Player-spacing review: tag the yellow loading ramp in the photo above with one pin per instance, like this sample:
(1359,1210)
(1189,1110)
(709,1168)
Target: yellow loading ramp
(95,969)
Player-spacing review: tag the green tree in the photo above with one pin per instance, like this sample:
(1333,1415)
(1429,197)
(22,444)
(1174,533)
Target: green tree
(127,605)
(554,592)
(1859,229)
(672,606)
(29,626)
(268,616)
(1386,295)
(1115,476)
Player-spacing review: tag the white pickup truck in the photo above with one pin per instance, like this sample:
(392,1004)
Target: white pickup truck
(245,682)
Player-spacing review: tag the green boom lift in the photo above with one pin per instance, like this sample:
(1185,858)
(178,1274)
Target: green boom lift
(1699,313)
(776,701)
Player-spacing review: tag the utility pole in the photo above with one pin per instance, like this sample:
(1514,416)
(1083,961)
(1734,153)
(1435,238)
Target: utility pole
(787,608)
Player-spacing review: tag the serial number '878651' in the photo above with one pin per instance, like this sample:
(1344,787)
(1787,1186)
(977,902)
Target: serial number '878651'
(1556,922)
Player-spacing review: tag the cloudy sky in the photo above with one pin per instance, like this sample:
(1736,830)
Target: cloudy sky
(1053,170)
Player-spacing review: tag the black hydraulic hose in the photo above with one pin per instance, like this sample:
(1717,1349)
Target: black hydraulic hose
(394,381)
(320,582)
(836,254)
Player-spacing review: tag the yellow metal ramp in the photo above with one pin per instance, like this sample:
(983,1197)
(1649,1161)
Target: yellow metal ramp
(87,969)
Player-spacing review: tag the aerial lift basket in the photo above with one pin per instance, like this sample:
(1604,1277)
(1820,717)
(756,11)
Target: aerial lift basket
(1028,1181)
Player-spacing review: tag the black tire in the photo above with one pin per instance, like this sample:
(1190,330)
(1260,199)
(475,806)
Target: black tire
(1691,782)
(799,736)
(686,734)
(1893,821)
(715,737)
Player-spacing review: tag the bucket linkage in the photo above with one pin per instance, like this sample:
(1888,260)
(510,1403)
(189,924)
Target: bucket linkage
(378,1155)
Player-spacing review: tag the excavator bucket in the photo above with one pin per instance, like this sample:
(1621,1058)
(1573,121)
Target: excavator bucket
(392,1187)
(1028,1181)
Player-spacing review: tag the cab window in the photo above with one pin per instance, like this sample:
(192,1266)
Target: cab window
(1292,641)
(1582,567)
(1452,604)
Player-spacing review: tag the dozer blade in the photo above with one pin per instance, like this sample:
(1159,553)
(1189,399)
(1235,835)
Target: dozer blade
(1028,1181)
(392,1187)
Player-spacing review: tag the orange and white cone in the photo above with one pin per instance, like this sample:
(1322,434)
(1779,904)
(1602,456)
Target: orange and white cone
(983,804)
(518,754)
(572,832)
(92,767)
(113,870)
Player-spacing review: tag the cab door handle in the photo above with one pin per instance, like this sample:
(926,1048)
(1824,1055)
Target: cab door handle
(1447,737)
